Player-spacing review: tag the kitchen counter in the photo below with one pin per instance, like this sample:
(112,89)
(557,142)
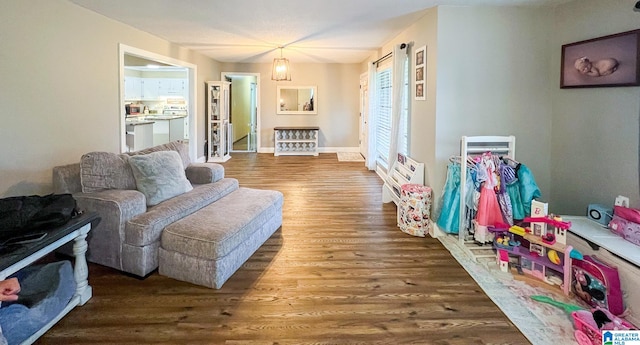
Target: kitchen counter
(136,122)
(163,117)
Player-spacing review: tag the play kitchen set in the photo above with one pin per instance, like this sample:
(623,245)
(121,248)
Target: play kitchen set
(537,249)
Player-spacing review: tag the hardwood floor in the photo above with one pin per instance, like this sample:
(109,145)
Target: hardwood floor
(339,271)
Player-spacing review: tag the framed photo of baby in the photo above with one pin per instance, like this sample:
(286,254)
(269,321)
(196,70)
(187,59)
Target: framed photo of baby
(606,61)
(420,73)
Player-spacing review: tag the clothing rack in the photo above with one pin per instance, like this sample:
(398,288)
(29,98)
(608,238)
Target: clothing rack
(473,146)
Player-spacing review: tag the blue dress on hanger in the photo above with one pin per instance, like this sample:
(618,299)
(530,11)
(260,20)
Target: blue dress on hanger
(449,218)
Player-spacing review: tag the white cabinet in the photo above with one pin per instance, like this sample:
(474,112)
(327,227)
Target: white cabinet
(176,129)
(173,87)
(218,129)
(296,141)
(132,88)
(139,136)
(168,129)
(160,132)
(138,88)
(150,88)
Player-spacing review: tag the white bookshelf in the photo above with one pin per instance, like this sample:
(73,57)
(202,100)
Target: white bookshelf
(406,170)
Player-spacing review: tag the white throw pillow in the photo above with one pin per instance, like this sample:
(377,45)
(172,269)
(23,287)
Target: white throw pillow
(159,176)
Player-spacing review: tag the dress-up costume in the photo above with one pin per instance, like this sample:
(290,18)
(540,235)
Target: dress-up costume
(449,220)
(489,212)
(503,197)
(528,188)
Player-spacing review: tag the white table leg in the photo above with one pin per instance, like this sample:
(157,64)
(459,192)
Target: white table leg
(80,269)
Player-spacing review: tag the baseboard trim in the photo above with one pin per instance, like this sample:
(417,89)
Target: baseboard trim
(320,149)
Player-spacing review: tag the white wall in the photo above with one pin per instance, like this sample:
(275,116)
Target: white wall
(595,130)
(60,90)
(493,80)
(422,129)
(337,101)
(481,80)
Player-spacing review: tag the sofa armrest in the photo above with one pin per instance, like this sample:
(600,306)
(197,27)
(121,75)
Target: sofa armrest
(115,208)
(201,173)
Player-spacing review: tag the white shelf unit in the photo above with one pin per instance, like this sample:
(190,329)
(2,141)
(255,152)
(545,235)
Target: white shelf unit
(474,146)
(299,141)
(218,127)
(405,171)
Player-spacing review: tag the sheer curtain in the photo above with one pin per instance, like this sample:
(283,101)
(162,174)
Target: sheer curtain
(399,104)
(371,128)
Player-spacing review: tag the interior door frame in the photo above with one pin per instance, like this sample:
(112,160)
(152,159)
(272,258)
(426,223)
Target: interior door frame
(123,50)
(257,75)
(254,117)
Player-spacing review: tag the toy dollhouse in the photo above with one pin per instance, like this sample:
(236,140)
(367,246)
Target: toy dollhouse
(539,251)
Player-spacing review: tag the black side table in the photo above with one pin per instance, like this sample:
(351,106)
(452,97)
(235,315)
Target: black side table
(18,257)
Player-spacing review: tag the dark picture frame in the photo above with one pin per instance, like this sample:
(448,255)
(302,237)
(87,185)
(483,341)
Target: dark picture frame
(419,90)
(420,75)
(420,57)
(606,61)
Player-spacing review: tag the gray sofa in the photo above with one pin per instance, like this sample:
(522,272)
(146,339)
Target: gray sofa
(128,237)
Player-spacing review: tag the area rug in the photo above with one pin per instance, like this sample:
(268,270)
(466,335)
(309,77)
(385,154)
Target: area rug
(350,157)
(540,323)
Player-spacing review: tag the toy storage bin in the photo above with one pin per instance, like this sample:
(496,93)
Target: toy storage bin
(629,230)
(626,223)
(414,209)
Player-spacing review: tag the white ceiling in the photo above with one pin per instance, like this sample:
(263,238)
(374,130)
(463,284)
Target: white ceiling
(324,31)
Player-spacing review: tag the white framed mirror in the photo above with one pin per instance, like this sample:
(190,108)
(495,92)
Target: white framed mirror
(297,100)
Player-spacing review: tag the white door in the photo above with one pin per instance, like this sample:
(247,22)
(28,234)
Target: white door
(364,113)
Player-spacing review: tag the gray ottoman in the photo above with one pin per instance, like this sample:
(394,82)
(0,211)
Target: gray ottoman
(208,246)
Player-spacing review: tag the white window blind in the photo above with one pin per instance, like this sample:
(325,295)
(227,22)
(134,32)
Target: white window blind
(383,117)
(384,80)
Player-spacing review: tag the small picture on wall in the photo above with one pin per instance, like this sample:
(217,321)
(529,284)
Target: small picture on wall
(420,74)
(420,56)
(602,62)
(419,90)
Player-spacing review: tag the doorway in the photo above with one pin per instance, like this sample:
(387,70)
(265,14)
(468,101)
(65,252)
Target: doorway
(186,89)
(244,112)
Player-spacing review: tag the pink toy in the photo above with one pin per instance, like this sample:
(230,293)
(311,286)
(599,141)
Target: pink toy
(590,324)
(598,284)
(502,259)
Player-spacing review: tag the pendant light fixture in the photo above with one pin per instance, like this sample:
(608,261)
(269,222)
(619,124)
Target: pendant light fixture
(281,70)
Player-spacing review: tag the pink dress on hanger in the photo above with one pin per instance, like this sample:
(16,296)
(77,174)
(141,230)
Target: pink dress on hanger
(489,212)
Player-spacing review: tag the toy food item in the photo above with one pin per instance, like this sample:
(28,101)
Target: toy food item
(553,256)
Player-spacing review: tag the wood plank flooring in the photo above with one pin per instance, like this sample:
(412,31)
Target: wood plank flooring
(339,271)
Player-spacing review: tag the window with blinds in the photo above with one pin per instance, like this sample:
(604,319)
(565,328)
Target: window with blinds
(384,94)
(383,117)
